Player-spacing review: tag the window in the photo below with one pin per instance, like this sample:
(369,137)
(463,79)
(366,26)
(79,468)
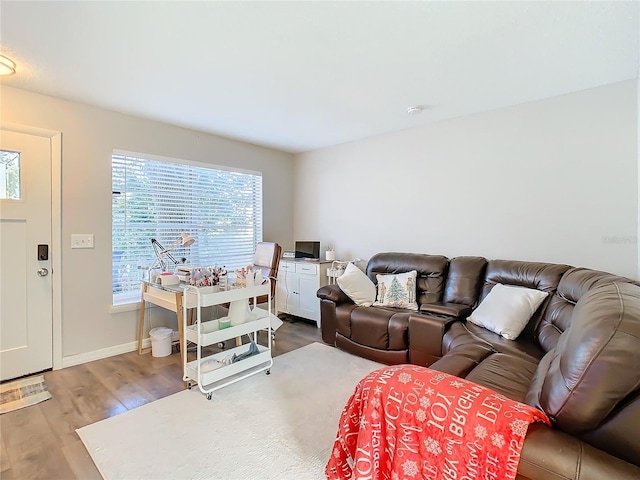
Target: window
(9,175)
(160,198)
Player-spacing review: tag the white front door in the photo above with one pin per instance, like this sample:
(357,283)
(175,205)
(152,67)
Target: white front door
(26,319)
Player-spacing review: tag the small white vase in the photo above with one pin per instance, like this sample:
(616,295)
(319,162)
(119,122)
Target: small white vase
(239,312)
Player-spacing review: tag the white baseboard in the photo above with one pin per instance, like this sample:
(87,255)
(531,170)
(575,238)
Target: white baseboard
(73,360)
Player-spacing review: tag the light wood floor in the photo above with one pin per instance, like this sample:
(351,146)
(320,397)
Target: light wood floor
(40,442)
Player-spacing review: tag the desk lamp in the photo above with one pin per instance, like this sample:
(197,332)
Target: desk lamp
(163,253)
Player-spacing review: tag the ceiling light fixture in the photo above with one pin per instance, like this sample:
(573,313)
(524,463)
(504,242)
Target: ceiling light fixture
(415,110)
(7,66)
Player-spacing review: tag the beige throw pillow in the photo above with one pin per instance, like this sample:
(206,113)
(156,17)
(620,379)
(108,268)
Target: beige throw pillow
(506,310)
(398,290)
(358,287)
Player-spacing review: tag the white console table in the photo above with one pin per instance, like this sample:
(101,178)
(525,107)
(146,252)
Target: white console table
(298,282)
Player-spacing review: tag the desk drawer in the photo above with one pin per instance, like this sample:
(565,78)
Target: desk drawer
(289,267)
(160,297)
(308,269)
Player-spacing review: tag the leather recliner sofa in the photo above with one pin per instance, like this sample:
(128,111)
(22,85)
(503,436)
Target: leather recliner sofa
(578,358)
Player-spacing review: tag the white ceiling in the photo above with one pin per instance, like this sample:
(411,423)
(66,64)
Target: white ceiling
(299,76)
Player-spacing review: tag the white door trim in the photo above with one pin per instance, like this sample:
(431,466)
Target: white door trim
(56,230)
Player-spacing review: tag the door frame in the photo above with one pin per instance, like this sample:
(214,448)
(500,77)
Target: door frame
(55,139)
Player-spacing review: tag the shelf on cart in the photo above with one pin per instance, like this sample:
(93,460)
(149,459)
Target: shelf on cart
(226,371)
(221,296)
(209,334)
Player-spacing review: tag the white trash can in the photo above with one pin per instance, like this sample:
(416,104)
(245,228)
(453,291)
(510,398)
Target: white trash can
(160,341)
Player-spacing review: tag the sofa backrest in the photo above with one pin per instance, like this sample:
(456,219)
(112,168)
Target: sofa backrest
(432,271)
(557,316)
(538,275)
(468,280)
(464,280)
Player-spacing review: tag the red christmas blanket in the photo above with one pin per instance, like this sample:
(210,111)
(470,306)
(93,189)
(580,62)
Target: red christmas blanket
(407,422)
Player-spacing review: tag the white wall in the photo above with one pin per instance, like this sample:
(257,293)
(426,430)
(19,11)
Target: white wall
(554,180)
(89,136)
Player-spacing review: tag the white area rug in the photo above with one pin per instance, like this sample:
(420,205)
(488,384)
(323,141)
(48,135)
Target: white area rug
(278,426)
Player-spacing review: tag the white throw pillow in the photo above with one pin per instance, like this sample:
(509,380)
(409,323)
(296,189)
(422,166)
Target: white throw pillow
(506,310)
(397,290)
(358,287)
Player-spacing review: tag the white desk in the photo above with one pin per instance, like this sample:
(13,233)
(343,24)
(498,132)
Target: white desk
(165,296)
(171,297)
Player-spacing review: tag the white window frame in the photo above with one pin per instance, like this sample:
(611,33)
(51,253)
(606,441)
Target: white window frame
(222,245)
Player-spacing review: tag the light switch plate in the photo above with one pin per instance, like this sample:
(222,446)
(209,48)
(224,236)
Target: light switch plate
(82,240)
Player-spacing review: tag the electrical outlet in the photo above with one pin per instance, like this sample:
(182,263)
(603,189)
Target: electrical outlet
(82,240)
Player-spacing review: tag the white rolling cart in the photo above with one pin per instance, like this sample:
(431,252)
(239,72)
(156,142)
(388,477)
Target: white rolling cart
(203,334)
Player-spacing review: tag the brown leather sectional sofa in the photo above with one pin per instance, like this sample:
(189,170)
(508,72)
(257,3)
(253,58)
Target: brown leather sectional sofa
(578,359)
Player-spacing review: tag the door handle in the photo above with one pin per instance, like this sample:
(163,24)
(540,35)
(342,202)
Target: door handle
(43,272)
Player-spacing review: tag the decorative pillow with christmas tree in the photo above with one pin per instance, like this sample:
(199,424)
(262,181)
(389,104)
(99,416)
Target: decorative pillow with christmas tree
(398,291)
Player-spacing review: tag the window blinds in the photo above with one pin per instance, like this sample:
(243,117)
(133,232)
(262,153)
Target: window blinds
(221,209)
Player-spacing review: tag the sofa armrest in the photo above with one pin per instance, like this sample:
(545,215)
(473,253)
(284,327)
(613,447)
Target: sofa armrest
(333,293)
(330,296)
(425,337)
(448,309)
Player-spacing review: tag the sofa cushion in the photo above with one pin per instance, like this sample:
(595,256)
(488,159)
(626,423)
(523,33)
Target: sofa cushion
(594,366)
(618,434)
(383,328)
(506,310)
(464,333)
(358,287)
(397,290)
(462,360)
(506,374)
(550,454)
(389,357)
